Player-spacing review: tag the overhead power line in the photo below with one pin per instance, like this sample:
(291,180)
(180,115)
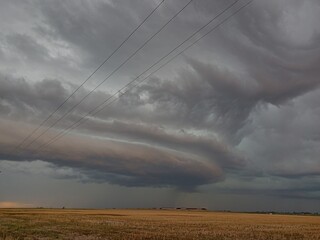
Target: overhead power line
(111,74)
(87,79)
(100,107)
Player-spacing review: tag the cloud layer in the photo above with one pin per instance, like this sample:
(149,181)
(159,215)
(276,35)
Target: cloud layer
(242,104)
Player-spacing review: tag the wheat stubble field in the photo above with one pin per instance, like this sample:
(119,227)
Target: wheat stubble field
(152,224)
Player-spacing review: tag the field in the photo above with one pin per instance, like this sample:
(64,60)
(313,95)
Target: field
(152,224)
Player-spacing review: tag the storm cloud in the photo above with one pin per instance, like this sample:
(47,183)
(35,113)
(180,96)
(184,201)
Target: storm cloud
(237,113)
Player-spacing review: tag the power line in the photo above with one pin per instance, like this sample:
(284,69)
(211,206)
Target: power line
(97,110)
(114,71)
(78,123)
(88,78)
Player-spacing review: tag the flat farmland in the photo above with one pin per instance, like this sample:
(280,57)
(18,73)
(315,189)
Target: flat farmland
(152,224)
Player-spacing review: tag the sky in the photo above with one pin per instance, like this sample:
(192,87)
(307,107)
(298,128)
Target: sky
(232,123)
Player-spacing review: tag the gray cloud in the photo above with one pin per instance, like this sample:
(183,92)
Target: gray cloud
(242,104)
(284,138)
(123,163)
(181,141)
(28,48)
(22,96)
(278,186)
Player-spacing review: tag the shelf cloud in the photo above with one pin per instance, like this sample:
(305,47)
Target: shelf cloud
(240,106)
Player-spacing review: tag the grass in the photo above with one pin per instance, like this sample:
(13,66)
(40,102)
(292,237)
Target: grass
(152,224)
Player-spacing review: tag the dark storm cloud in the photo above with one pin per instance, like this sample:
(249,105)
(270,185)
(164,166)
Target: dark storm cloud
(89,27)
(234,99)
(275,69)
(155,146)
(124,163)
(306,187)
(23,98)
(19,95)
(285,140)
(251,88)
(150,134)
(295,193)
(28,48)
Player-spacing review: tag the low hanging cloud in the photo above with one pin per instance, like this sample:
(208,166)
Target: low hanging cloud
(130,163)
(244,103)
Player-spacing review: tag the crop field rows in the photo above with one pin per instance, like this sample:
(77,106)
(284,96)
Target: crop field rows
(152,224)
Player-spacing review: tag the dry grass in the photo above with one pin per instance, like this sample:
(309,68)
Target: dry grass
(152,224)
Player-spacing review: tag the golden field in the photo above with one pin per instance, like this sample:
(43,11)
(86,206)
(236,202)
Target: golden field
(152,224)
